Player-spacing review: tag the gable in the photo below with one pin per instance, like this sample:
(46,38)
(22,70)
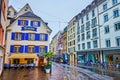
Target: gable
(25,9)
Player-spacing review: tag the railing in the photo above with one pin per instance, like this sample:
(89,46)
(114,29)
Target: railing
(76,73)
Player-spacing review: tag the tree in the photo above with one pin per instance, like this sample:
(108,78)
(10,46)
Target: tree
(49,55)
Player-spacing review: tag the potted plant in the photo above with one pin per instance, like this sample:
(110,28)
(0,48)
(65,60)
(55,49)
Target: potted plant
(48,55)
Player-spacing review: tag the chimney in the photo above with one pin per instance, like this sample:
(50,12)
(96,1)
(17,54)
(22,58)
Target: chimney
(46,23)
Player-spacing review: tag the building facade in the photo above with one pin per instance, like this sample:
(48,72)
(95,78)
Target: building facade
(71,41)
(109,14)
(88,34)
(27,39)
(64,38)
(3,18)
(98,32)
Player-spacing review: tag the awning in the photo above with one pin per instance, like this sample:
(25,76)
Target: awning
(23,56)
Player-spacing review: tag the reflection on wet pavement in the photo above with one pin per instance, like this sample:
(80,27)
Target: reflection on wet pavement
(31,74)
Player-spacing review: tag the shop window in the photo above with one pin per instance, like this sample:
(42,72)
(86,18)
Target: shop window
(16,61)
(29,61)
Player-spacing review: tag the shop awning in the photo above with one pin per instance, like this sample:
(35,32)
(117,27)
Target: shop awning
(23,56)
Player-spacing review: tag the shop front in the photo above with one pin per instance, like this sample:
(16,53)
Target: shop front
(22,60)
(112,56)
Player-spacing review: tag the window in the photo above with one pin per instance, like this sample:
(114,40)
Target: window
(114,2)
(35,23)
(83,45)
(16,61)
(74,42)
(78,38)
(116,13)
(118,41)
(73,29)
(105,7)
(94,22)
(87,17)
(95,45)
(94,32)
(107,29)
(78,30)
(30,49)
(29,61)
(117,26)
(78,46)
(88,45)
(93,13)
(82,28)
(88,25)
(23,22)
(17,49)
(105,17)
(42,37)
(88,35)
(41,50)
(9,13)
(82,21)
(17,36)
(83,36)
(31,36)
(108,43)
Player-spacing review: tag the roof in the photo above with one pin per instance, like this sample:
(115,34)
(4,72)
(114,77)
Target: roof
(23,56)
(12,8)
(29,14)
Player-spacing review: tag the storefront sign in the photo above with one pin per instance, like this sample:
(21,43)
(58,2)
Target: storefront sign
(29,28)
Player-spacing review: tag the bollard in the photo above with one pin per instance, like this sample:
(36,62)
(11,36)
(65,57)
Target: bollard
(65,78)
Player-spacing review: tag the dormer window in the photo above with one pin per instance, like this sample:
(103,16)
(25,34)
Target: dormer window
(9,13)
(26,8)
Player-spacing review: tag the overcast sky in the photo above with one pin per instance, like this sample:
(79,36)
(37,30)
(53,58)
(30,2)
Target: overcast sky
(55,12)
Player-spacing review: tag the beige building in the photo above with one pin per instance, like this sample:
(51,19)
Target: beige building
(3,18)
(71,41)
(27,39)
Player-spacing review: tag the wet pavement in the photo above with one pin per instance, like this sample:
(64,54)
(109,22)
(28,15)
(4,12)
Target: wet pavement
(31,74)
(115,73)
(59,72)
